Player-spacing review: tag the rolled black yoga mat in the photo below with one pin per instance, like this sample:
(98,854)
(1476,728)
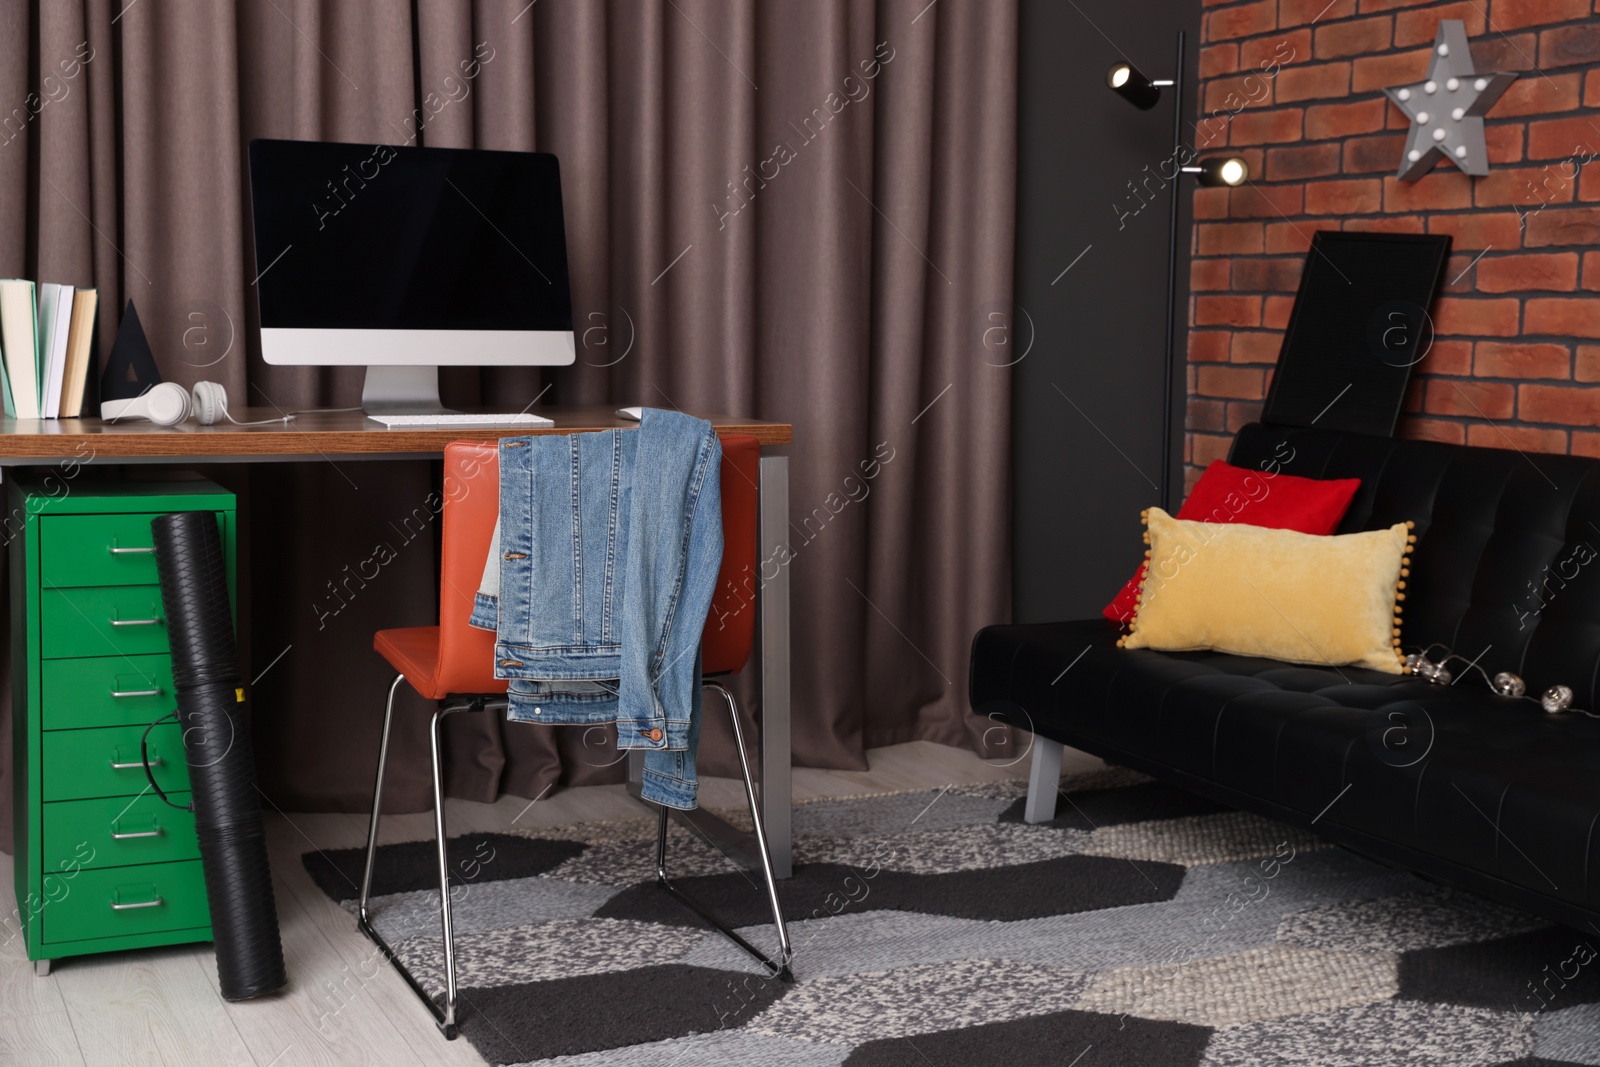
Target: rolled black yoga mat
(216,741)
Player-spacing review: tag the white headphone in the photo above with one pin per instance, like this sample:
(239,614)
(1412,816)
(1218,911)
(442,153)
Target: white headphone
(169,403)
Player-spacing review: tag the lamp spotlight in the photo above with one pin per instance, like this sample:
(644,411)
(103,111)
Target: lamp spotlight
(1125,80)
(1229,172)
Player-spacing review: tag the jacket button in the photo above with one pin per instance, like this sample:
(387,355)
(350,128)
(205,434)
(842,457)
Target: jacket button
(655,734)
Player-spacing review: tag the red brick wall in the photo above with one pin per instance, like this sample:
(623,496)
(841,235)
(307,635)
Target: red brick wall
(1293,86)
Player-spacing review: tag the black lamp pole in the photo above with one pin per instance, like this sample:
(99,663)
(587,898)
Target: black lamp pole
(1144,93)
(1172,284)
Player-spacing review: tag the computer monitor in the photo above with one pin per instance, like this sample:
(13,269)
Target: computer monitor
(405,259)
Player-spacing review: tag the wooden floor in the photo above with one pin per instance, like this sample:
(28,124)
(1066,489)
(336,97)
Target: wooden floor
(344,1006)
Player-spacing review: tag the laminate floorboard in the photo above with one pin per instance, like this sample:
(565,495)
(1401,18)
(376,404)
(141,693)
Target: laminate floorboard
(153,1006)
(46,1040)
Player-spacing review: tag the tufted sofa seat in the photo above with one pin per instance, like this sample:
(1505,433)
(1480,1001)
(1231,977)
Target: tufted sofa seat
(1454,782)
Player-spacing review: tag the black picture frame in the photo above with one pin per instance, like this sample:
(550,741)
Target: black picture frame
(1362,321)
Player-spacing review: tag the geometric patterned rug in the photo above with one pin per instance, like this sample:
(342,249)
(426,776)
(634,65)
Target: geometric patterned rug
(1143,926)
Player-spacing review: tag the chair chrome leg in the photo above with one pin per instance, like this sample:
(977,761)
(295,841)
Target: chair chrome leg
(763,849)
(445,1017)
(377,799)
(448,1021)
(784,970)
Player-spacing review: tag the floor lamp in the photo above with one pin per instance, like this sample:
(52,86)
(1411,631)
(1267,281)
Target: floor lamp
(1144,93)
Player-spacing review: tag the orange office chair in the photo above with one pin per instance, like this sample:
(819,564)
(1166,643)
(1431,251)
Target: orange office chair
(453,663)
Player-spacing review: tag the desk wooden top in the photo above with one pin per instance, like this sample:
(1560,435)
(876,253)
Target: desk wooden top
(348,433)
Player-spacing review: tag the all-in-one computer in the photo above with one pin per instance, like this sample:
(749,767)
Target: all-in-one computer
(403,260)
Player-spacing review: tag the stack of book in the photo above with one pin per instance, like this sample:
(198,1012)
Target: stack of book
(46,340)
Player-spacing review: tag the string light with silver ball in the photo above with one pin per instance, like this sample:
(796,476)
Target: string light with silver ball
(1508,685)
(1555,700)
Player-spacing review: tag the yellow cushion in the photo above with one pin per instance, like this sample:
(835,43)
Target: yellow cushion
(1252,591)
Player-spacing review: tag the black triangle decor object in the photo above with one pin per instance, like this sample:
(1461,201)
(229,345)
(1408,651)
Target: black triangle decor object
(131,367)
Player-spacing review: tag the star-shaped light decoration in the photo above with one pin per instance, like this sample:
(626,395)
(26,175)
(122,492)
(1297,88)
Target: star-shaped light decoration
(1446,110)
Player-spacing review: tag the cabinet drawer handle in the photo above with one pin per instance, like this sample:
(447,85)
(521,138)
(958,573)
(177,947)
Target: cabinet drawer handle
(155,761)
(156,903)
(121,693)
(157,832)
(136,622)
(115,551)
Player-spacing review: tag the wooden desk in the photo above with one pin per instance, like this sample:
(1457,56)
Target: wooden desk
(351,435)
(348,435)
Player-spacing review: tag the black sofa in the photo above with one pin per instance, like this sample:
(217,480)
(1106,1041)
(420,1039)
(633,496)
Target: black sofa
(1454,782)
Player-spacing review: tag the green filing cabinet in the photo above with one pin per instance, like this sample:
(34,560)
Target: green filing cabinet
(101,863)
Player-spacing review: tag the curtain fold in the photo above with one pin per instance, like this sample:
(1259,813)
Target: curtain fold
(791,211)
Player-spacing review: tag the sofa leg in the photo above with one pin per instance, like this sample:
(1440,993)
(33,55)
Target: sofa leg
(1043,780)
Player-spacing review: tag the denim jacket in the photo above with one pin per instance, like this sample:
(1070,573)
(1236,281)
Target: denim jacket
(599,582)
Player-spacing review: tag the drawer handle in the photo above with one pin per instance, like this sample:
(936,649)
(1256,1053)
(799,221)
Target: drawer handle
(157,832)
(156,903)
(155,761)
(121,693)
(136,622)
(115,551)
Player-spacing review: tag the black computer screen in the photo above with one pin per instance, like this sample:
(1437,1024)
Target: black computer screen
(361,236)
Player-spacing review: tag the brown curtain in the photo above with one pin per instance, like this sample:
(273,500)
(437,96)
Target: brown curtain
(797,211)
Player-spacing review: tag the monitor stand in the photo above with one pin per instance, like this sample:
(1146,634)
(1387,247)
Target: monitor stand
(408,390)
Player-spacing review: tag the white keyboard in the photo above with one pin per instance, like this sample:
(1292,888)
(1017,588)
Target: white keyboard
(448,421)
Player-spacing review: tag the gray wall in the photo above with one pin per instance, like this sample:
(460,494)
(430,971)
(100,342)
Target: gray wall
(1086,431)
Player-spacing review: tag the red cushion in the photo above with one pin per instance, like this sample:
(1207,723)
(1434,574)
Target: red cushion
(1226,494)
